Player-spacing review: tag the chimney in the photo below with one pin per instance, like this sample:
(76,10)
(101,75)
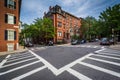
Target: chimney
(50,7)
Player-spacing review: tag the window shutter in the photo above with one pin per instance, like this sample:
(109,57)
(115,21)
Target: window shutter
(6,18)
(6,34)
(15,35)
(14,5)
(14,19)
(5,3)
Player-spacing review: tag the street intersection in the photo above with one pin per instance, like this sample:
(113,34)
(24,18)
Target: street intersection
(68,62)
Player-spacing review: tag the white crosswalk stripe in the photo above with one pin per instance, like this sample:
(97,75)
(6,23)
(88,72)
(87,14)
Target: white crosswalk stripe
(68,68)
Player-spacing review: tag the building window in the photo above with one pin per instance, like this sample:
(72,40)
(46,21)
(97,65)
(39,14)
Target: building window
(10,4)
(59,24)
(59,17)
(59,33)
(10,19)
(10,46)
(10,35)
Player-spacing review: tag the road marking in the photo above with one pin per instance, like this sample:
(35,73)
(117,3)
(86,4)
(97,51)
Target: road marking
(99,50)
(18,59)
(73,63)
(101,69)
(17,62)
(78,75)
(29,73)
(4,61)
(114,63)
(51,67)
(107,56)
(110,54)
(17,54)
(64,68)
(19,68)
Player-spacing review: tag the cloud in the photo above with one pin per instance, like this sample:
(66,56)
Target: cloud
(32,9)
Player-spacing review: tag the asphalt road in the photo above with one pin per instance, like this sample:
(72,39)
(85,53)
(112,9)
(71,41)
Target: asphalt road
(78,62)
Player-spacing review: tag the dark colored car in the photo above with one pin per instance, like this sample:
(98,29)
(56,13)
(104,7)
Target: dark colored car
(50,43)
(104,41)
(29,44)
(75,42)
(83,41)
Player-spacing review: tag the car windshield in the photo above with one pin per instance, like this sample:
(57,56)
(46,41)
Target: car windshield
(104,39)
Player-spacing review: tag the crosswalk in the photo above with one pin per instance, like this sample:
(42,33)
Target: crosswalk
(101,65)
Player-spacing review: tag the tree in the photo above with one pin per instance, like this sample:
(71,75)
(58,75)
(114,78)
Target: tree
(110,18)
(41,30)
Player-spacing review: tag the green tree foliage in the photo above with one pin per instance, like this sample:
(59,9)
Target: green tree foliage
(110,19)
(41,30)
(89,27)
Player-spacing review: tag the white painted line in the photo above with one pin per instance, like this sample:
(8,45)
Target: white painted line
(101,69)
(64,68)
(19,59)
(18,62)
(51,67)
(78,75)
(19,56)
(95,46)
(4,61)
(29,73)
(110,54)
(107,56)
(73,63)
(19,68)
(100,60)
(99,50)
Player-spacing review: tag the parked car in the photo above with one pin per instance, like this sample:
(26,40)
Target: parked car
(104,41)
(83,41)
(75,42)
(29,44)
(112,41)
(50,43)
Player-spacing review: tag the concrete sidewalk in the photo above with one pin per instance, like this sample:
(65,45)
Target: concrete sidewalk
(116,46)
(21,49)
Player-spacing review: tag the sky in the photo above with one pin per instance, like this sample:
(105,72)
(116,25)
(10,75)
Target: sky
(32,9)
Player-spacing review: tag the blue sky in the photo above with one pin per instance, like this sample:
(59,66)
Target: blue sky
(32,9)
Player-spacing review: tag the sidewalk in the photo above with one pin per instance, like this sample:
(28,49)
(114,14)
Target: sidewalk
(116,46)
(21,49)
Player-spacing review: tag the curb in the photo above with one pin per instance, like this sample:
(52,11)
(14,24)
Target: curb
(12,52)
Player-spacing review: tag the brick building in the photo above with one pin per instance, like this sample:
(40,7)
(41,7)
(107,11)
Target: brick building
(9,24)
(66,25)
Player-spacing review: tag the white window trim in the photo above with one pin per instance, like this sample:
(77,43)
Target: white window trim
(8,35)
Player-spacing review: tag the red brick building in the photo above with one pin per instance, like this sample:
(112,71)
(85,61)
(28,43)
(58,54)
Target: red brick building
(66,25)
(9,24)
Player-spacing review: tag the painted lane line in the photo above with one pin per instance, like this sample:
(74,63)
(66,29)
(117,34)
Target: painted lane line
(101,69)
(19,68)
(110,54)
(19,59)
(11,64)
(100,50)
(100,60)
(19,56)
(72,63)
(106,56)
(29,73)
(51,67)
(95,46)
(4,61)
(78,75)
